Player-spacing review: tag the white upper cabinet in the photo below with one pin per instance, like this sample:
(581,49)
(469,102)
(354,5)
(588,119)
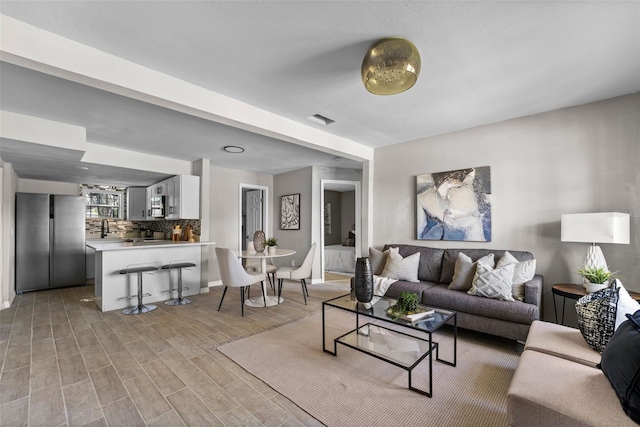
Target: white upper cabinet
(137,203)
(182,197)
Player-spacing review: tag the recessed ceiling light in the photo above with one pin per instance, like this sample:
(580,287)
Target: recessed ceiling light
(84,168)
(324,121)
(233,149)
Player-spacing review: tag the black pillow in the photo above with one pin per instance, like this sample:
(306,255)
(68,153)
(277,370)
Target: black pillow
(621,365)
(597,317)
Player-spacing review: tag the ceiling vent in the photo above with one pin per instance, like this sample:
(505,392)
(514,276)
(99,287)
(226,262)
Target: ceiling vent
(324,121)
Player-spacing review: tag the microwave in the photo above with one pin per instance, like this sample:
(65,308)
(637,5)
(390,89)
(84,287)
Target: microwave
(157,207)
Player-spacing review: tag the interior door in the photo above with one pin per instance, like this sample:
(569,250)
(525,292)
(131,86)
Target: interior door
(253,214)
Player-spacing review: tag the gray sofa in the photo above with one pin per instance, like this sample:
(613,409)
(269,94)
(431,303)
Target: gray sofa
(502,318)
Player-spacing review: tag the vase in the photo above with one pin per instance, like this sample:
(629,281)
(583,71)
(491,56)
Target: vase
(258,241)
(593,287)
(272,250)
(363,280)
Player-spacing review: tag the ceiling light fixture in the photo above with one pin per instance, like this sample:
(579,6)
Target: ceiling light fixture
(391,66)
(233,149)
(324,121)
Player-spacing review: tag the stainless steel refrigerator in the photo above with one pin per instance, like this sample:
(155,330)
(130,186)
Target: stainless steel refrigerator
(50,241)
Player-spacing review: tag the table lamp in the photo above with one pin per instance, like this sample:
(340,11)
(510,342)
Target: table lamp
(602,227)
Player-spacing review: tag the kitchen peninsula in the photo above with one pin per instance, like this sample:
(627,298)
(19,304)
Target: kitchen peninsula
(116,291)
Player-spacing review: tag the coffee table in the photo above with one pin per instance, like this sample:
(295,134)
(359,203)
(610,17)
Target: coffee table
(402,349)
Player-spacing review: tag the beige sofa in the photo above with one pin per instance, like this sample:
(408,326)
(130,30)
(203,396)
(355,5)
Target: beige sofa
(557,383)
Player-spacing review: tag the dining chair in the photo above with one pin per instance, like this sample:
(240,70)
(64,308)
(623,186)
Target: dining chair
(271,271)
(233,274)
(297,273)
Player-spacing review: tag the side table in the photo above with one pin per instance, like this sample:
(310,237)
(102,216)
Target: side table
(573,291)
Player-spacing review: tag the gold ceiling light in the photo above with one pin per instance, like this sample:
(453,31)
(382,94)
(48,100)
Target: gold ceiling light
(391,66)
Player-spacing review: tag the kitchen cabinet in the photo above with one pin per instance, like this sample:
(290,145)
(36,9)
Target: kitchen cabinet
(182,197)
(137,203)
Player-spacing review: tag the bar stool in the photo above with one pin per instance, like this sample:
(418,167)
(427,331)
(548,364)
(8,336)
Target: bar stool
(140,308)
(179,266)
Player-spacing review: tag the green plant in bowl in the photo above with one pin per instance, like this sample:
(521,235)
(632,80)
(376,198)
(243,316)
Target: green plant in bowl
(407,304)
(597,275)
(272,241)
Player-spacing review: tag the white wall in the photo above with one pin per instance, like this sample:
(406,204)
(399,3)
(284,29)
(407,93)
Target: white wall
(224,210)
(578,159)
(9,187)
(47,187)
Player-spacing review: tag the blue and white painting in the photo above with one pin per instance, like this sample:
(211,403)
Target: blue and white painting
(454,205)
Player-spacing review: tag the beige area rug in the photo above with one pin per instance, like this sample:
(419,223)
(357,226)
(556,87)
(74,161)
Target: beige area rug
(355,389)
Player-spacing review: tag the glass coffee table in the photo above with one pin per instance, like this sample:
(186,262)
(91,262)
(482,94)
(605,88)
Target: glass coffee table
(402,349)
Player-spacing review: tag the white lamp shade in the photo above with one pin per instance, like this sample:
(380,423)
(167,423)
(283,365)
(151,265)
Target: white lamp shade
(603,227)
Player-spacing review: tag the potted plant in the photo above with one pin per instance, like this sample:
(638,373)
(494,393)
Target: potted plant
(271,244)
(407,308)
(596,278)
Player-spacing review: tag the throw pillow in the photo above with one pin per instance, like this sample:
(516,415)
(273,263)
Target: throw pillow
(400,268)
(492,282)
(378,260)
(522,273)
(621,365)
(464,270)
(597,317)
(626,304)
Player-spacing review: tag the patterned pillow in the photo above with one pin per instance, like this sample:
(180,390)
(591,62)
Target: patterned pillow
(522,273)
(402,268)
(492,282)
(464,270)
(597,317)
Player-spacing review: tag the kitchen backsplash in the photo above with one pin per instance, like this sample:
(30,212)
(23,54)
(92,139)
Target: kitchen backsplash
(124,228)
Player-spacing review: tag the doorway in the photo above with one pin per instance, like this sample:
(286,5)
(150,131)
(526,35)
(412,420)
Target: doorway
(253,212)
(341,213)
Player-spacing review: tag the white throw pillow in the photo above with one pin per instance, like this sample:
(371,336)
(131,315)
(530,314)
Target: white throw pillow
(402,268)
(378,260)
(493,282)
(626,305)
(464,270)
(522,273)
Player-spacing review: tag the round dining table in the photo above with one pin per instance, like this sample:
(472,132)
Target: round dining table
(262,256)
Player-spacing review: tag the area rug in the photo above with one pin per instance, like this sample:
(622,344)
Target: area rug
(354,389)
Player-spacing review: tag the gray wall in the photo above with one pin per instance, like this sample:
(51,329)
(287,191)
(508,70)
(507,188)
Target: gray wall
(348,213)
(298,181)
(335,198)
(578,159)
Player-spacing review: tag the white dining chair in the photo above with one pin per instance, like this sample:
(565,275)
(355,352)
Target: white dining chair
(253,267)
(297,273)
(233,274)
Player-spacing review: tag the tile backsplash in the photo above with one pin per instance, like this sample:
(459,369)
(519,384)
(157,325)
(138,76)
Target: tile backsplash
(124,228)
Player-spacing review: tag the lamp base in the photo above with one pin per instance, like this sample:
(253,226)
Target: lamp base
(595,258)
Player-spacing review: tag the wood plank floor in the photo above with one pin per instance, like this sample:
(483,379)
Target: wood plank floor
(65,363)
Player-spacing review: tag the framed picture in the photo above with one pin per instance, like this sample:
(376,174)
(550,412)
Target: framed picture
(327,218)
(454,205)
(290,212)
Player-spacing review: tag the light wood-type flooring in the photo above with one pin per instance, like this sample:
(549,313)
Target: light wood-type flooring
(65,363)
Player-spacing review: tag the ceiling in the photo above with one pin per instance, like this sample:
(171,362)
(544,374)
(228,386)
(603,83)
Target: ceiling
(482,62)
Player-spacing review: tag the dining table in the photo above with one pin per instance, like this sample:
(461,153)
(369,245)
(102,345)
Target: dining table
(262,256)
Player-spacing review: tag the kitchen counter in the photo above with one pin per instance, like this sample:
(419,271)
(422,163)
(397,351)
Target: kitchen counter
(106,245)
(117,291)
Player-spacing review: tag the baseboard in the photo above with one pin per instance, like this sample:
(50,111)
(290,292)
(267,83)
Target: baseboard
(215,283)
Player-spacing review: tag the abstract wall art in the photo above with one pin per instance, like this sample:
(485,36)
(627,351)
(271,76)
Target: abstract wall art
(290,212)
(454,205)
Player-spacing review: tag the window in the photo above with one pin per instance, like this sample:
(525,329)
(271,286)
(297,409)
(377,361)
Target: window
(103,203)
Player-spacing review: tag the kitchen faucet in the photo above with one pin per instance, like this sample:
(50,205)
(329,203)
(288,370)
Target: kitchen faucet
(104,230)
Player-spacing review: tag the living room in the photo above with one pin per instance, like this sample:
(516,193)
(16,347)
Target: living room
(579,155)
